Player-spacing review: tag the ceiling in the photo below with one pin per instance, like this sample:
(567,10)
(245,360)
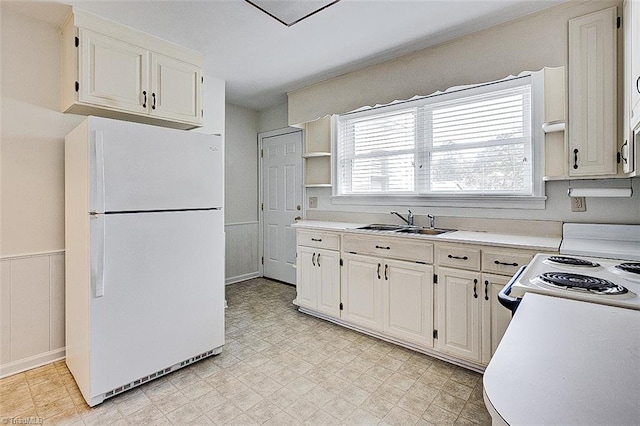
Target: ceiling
(261,59)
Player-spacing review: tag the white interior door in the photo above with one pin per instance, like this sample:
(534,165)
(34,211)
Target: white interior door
(282,203)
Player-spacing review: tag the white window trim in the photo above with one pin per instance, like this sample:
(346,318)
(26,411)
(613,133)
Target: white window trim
(536,201)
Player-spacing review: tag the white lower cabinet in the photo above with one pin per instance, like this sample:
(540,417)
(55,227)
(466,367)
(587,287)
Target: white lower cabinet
(318,279)
(408,301)
(458,313)
(495,317)
(391,296)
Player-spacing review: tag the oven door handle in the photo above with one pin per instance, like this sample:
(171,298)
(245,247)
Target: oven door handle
(507,301)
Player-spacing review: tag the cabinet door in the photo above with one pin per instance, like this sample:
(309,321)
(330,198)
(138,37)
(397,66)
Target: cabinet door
(361,290)
(458,313)
(592,94)
(176,89)
(112,73)
(306,278)
(495,317)
(328,270)
(408,301)
(634,6)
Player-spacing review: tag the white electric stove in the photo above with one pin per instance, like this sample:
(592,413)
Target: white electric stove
(597,263)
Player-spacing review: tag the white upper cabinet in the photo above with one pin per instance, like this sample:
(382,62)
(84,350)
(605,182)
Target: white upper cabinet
(113,71)
(592,94)
(634,58)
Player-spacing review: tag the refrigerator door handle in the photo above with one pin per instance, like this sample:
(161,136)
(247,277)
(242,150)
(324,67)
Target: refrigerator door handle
(98,141)
(99,258)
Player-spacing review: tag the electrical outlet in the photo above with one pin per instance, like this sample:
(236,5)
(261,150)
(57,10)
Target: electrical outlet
(578,204)
(313,202)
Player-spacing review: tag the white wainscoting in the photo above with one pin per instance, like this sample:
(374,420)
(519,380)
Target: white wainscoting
(31,311)
(242,261)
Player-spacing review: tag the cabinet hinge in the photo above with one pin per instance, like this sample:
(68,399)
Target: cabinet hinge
(341,262)
(202,79)
(201,113)
(618,22)
(261,153)
(77,42)
(261,206)
(262,260)
(618,157)
(435,334)
(77,86)
(341,306)
(435,278)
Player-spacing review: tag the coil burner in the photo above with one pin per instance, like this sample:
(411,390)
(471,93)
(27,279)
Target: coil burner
(633,268)
(579,282)
(572,261)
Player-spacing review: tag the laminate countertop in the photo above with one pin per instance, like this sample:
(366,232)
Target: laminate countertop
(530,242)
(565,362)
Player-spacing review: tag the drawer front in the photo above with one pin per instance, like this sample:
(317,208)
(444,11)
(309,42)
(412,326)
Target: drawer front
(505,262)
(459,257)
(389,247)
(325,240)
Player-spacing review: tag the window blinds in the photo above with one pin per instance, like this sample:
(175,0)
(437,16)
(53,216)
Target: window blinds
(472,141)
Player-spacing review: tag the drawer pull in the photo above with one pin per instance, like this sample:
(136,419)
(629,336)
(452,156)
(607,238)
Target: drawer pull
(575,158)
(317,239)
(383,247)
(475,293)
(497,262)
(378,271)
(486,290)
(458,257)
(313,259)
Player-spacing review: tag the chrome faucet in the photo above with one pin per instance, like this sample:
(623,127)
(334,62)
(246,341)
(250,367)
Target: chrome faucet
(432,221)
(408,220)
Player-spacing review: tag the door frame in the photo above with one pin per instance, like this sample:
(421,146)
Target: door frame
(261,137)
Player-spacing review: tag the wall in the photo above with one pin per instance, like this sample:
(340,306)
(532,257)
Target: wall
(274,118)
(241,202)
(32,189)
(526,44)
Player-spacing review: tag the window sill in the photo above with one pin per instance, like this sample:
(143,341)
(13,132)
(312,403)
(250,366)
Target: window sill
(487,202)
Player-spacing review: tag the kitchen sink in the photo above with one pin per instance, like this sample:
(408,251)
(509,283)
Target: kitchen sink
(424,231)
(382,227)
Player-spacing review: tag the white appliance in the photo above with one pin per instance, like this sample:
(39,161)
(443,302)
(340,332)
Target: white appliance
(144,253)
(598,263)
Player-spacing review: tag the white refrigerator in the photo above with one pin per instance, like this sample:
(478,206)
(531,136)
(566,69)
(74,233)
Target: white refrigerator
(144,231)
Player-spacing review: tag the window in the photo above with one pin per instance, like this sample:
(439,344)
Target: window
(472,142)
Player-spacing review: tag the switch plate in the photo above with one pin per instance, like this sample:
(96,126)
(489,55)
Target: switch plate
(313,202)
(578,204)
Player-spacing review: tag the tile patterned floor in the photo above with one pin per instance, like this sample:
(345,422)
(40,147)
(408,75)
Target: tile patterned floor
(279,367)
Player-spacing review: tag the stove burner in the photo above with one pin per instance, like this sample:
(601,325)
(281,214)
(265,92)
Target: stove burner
(633,268)
(565,260)
(582,283)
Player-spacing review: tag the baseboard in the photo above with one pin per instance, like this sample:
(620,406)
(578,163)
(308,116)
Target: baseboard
(243,277)
(31,362)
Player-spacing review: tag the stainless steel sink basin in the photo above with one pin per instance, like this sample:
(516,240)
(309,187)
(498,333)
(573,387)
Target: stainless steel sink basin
(423,231)
(382,227)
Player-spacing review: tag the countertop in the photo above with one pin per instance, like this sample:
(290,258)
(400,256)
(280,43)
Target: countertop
(467,237)
(563,361)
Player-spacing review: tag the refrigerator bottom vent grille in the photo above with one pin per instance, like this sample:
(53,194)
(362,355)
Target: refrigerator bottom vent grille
(157,374)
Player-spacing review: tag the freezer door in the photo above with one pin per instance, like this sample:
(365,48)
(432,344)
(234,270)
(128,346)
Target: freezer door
(137,167)
(160,295)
